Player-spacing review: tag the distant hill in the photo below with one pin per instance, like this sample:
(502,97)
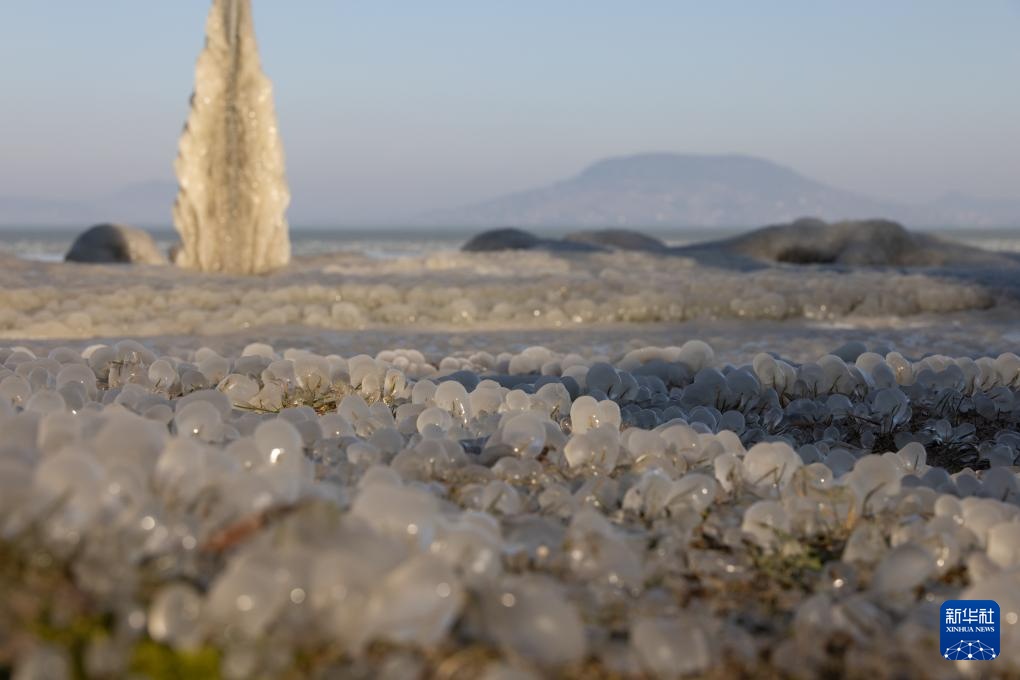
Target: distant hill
(645,190)
(688,190)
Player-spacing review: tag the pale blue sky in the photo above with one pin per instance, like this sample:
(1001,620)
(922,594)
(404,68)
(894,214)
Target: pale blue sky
(391,108)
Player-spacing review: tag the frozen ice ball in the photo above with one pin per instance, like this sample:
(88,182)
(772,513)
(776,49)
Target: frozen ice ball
(524,433)
(174,617)
(162,375)
(199,419)
(453,398)
(416,603)
(695,490)
(407,514)
(46,401)
(770,464)
(1004,544)
(81,374)
(277,438)
(530,617)
(903,568)
(434,419)
(766,522)
(671,647)
(245,596)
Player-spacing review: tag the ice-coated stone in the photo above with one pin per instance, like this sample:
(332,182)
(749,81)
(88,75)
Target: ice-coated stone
(1004,544)
(471,546)
(770,464)
(671,648)
(905,567)
(199,419)
(416,603)
(587,413)
(70,482)
(247,597)
(530,617)
(598,447)
(875,479)
(695,490)
(175,616)
(126,437)
(524,433)
(600,553)
(502,529)
(981,514)
(277,439)
(452,397)
(233,193)
(766,522)
(405,513)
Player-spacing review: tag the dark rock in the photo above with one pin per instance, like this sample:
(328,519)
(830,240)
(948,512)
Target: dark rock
(510,238)
(812,241)
(854,243)
(502,239)
(115,243)
(466,378)
(573,388)
(849,351)
(546,380)
(619,239)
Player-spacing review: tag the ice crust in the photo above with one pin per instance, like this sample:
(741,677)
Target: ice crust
(450,290)
(233,196)
(531,512)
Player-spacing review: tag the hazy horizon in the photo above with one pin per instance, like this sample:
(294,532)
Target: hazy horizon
(391,110)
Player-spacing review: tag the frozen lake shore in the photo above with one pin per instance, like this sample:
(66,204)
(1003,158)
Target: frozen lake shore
(505,465)
(528,291)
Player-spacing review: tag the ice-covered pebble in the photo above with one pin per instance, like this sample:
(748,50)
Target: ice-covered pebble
(552,509)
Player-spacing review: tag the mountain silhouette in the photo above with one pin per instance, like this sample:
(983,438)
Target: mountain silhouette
(691,190)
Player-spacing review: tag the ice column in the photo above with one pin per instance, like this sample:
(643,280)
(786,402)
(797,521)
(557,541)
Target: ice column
(233,191)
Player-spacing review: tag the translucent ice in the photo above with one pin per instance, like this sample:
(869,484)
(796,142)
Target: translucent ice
(524,433)
(404,513)
(905,567)
(766,522)
(770,465)
(1004,544)
(530,617)
(671,648)
(415,603)
(523,523)
(233,194)
(174,617)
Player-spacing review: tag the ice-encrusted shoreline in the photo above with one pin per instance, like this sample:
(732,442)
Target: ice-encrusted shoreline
(557,481)
(505,514)
(449,290)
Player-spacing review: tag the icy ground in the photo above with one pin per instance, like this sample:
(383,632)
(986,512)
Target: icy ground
(482,292)
(558,480)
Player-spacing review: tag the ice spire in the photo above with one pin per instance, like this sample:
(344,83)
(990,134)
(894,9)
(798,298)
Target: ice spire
(233,192)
